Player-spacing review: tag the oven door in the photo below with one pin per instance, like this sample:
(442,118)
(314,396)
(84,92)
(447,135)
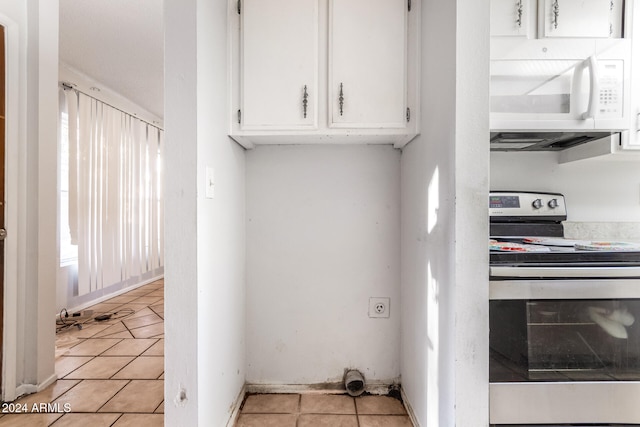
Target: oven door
(564,351)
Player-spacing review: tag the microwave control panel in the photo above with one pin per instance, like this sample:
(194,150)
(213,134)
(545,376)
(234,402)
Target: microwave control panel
(610,84)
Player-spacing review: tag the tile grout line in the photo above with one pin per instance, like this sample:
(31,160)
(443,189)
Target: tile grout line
(144,326)
(55,421)
(156,313)
(127,364)
(99,354)
(114,395)
(117,419)
(159,405)
(67,391)
(75,369)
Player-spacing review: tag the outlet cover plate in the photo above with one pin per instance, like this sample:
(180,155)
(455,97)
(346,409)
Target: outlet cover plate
(379,307)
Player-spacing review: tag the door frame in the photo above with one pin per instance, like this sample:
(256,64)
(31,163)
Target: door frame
(15,156)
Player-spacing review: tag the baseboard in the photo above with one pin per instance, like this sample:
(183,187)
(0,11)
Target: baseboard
(25,389)
(46,383)
(235,410)
(409,408)
(380,388)
(109,296)
(325,388)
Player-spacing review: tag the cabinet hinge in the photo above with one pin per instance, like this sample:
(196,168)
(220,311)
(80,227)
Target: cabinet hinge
(240,6)
(408,115)
(239,116)
(409,5)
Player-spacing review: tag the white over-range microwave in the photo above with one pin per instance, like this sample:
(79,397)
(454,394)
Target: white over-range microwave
(560,85)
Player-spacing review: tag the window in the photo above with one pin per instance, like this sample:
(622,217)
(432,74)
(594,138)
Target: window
(68,250)
(110,194)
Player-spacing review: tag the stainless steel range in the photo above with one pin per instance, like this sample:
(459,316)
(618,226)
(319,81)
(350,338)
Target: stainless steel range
(564,318)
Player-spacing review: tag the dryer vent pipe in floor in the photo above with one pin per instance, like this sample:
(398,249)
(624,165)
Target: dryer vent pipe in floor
(354,382)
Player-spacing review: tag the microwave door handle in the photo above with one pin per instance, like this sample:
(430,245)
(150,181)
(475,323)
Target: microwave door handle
(594,91)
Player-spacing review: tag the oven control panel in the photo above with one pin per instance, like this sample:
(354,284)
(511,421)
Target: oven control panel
(526,204)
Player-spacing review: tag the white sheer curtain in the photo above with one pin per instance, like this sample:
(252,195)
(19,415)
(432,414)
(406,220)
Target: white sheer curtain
(115,194)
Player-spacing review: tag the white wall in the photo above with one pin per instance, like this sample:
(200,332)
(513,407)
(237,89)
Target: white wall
(322,237)
(221,227)
(204,246)
(601,189)
(445,224)
(30,268)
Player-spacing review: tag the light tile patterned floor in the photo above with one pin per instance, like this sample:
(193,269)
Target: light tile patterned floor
(110,372)
(322,410)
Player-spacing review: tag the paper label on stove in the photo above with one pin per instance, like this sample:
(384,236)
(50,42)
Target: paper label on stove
(552,241)
(608,246)
(495,245)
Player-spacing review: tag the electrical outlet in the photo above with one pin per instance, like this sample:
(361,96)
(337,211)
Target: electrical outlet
(379,307)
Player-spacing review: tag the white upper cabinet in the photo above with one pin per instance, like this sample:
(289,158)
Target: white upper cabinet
(580,18)
(367,56)
(279,60)
(557,18)
(513,18)
(324,71)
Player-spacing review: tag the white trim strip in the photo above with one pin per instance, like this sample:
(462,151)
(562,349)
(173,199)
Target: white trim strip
(564,289)
(235,410)
(562,272)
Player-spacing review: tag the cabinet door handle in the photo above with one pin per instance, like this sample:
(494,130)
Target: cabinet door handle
(341,99)
(556,13)
(611,5)
(519,12)
(305,101)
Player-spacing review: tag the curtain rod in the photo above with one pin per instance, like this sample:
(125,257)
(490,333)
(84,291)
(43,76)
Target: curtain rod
(71,86)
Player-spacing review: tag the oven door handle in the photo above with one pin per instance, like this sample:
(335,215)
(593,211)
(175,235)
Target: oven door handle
(564,272)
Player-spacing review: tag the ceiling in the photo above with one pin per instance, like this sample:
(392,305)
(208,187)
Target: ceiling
(119,43)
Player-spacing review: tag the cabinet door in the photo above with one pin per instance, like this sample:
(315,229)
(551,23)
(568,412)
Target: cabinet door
(367,63)
(616,18)
(576,18)
(511,18)
(279,59)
